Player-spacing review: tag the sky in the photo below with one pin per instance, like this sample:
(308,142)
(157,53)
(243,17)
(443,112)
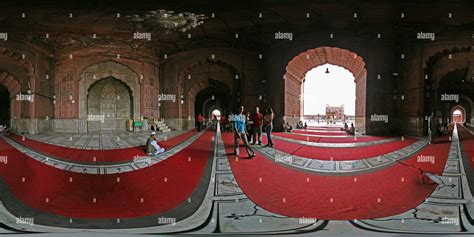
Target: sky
(334,88)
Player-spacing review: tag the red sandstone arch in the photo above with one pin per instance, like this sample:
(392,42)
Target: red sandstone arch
(13,86)
(302,63)
(200,72)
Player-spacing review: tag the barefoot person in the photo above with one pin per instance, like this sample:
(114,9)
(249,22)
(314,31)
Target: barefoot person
(152,148)
(241,133)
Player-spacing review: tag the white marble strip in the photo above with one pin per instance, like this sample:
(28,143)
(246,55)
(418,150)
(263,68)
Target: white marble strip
(344,166)
(337,145)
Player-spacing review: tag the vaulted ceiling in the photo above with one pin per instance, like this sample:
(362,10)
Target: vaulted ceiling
(255,21)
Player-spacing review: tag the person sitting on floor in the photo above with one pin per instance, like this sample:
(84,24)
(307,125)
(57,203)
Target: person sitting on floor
(288,127)
(152,148)
(351,131)
(345,126)
(300,125)
(305,125)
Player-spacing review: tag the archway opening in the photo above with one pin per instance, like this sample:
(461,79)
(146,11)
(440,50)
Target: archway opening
(329,96)
(295,77)
(214,97)
(5,106)
(109,105)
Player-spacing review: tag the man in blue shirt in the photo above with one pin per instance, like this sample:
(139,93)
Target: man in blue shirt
(240,132)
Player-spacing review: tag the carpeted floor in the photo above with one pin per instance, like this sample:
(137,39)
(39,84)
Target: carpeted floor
(342,139)
(115,155)
(329,153)
(147,191)
(294,193)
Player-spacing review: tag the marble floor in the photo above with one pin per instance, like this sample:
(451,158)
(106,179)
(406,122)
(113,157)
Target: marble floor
(227,210)
(100,141)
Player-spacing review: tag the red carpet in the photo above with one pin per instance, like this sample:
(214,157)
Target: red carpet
(115,155)
(113,199)
(326,153)
(350,139)
(297,194)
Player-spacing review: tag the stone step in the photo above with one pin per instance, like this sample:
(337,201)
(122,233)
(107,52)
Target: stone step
(161,126)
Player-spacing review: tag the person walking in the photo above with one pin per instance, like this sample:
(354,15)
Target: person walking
(257,119)
(268,122)
(200,120)
(240,133)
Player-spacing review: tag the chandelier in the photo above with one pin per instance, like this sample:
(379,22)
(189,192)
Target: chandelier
(167,21)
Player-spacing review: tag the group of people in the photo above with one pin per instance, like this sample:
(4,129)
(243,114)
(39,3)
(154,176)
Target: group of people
(351,130)
(300,125)
(249,127)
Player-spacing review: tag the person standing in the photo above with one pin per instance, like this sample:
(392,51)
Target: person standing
(249,126)
(200,120)
(268,122)
(430,128)
(222,123)
(257,119)
(240,132)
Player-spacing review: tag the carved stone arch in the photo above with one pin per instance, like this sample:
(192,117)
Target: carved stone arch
(17,57)
(105,69)
(302,63)
(203,67)
(201,73)
(14,87)
(433,59)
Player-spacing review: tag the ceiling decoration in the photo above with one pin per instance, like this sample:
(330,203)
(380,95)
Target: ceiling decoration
(166,21)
